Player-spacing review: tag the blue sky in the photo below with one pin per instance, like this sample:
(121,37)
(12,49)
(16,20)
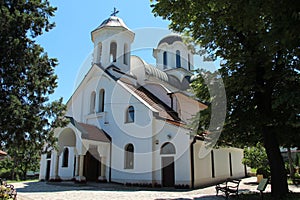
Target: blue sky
(70,41)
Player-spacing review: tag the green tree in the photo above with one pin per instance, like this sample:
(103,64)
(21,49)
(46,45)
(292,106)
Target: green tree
(256,157)
(27,78)
(260,44)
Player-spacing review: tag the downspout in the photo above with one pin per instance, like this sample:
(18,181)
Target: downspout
(110,152)
(192,163)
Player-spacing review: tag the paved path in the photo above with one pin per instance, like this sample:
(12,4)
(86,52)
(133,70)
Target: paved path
(108,191)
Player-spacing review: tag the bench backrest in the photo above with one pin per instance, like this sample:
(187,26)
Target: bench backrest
(262,184)
(234,183)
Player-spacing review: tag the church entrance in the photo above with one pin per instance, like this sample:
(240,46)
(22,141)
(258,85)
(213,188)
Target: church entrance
(167,151)
(168,175)
(92,167)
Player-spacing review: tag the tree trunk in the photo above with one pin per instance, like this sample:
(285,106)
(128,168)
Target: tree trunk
(292,171)
(279,187)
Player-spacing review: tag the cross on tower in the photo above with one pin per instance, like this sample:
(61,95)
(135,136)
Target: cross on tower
(115,12)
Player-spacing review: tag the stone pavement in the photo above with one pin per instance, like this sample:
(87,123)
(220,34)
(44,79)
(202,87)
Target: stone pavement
(110,191)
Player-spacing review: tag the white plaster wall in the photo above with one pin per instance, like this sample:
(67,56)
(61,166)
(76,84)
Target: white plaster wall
(238,169)
(66,173)
(179,137)
(43,166)
(108,35)
(123,133)
(203,166)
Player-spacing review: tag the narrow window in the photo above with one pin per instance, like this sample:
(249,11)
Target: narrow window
(92,102)
(113,52)
(129,156)
(65,160)
(230,164)
(101,100)
(212,164)
(130,114)
(167,148)
(165,60)
(125,56)
(178,61)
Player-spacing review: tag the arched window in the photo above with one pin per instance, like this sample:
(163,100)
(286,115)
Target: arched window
(101,100)
(113,52)
(125,56)
(178,61)
(129,156)
(99,52)
(65,160)
(165,60)
(167,148)
(92,102)
(130,114)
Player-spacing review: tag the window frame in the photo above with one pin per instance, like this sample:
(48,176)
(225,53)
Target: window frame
(129,156)
(130,114)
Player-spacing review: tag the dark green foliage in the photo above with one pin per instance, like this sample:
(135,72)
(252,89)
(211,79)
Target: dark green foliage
(256,157)
(27,78)
(260,44)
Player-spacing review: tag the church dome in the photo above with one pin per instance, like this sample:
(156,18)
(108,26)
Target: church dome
(112,21)
(170,39)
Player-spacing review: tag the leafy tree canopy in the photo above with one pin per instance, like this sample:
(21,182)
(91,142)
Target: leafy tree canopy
(260,44)
(26,78)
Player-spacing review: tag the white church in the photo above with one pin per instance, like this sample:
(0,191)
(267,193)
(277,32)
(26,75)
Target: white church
(129,120)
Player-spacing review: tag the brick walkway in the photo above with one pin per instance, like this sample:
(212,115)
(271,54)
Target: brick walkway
(108,191)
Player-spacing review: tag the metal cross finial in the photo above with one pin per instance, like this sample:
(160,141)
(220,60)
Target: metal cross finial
(115,12)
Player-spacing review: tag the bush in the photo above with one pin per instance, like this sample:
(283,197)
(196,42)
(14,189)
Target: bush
(256,157)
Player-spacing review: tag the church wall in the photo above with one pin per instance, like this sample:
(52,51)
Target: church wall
(179,137)
(123,133)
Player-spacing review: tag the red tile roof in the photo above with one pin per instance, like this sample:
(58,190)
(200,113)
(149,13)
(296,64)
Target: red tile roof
(90,132)
(163,110)
(93,133)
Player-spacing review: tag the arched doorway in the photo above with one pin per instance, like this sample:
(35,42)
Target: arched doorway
(48,166)
(67,152)
(167,152)
(92,165)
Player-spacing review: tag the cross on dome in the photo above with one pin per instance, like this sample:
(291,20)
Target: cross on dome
(115,12)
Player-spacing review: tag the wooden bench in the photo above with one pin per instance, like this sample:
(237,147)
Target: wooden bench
(296,181)
(7,189)
(262,186)
(230,186)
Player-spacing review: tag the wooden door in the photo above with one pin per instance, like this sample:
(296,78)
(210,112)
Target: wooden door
(168,174)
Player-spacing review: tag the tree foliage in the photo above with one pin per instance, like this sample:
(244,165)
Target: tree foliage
(256,157)
(260,44)
(27,78)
